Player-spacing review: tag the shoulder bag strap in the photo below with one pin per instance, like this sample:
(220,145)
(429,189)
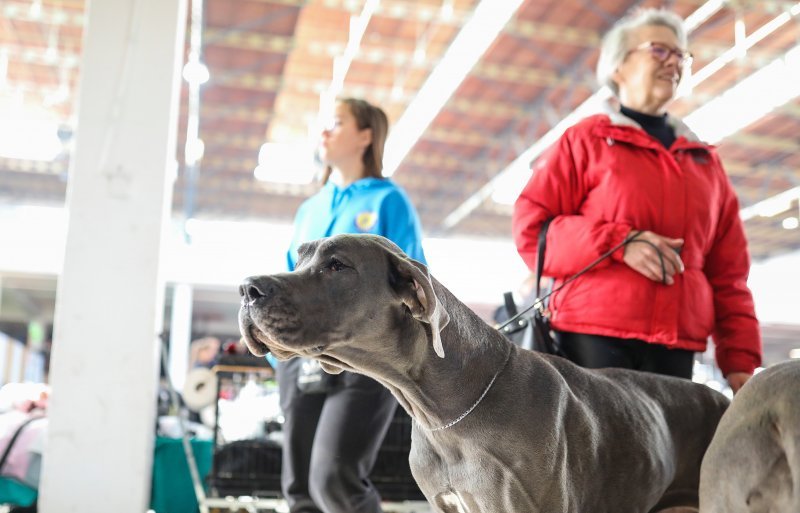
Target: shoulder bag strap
(540,253)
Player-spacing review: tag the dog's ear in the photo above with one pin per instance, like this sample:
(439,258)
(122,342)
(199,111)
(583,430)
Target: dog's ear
(410,279)
(330,368)
(305,251)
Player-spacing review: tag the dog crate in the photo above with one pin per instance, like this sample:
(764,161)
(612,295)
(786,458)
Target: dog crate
(247,462)
(246,459)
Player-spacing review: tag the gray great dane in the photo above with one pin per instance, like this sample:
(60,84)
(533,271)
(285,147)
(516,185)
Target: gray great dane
(753,462)
(497,428)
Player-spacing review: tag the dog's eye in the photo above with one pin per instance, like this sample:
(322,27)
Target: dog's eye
(335,265)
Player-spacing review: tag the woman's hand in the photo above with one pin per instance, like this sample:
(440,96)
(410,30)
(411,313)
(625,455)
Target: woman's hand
(644,258)
(737,379)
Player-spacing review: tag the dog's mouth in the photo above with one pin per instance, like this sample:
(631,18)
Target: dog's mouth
(260,341)
(259,344)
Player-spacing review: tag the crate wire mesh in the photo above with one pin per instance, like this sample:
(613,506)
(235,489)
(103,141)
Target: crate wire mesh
(247,447)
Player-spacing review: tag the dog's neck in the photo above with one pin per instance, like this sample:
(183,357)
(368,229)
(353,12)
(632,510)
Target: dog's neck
(474,352)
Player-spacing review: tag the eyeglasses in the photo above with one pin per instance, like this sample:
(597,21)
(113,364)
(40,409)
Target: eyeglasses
(662,52)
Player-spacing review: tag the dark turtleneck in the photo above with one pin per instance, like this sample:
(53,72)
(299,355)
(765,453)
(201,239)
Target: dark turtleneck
(656,126)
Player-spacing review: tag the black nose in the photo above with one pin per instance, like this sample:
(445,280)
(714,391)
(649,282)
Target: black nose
(256,287)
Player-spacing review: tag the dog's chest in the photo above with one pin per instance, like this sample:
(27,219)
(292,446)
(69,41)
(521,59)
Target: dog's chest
(455,502)
(466,478)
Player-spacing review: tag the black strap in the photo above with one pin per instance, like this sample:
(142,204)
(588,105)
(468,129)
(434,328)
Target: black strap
(511,306)
(540,253)
(13,439)
(539,301)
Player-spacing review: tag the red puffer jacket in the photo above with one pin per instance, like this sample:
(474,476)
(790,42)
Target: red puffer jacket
(606,176)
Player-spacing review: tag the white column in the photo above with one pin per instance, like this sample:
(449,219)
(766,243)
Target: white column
(180,333)
(109,306)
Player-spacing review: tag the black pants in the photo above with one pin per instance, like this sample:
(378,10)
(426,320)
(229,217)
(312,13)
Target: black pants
(597,351)
(331,442)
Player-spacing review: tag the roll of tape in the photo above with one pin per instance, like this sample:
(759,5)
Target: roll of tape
(200,389)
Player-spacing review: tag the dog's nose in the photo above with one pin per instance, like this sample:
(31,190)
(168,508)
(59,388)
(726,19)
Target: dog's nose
(256,287)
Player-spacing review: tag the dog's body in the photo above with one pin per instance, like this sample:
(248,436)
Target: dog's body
(753,462)
(497,428)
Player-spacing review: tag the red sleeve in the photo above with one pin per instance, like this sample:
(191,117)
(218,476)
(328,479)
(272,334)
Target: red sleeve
(737,336)
(556,190)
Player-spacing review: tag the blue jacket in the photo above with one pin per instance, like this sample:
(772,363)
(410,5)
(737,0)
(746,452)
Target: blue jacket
(369,205)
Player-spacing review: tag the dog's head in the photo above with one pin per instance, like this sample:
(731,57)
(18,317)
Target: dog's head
(347,290)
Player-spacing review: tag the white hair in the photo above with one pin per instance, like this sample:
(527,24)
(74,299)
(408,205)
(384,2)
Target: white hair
(614,47)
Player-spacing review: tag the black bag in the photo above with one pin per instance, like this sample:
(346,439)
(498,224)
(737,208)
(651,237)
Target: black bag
(311,379)
(533,331)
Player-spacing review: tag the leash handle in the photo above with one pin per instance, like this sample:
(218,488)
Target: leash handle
(538,303)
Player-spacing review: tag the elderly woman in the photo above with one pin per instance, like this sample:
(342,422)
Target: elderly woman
(634,173)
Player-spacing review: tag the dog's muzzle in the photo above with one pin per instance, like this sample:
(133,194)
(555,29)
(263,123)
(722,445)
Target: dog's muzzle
(268,321)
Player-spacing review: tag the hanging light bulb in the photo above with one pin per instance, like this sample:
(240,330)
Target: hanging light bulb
(195,71)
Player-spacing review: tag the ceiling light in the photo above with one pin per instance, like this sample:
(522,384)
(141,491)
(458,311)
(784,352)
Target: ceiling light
(341,64)
(29,139)
(736,51)
(771,86)
(790,223)
(195,71)
(488,19)
(771,206)
(794,353)
(194,150)
(702,14)
(285,163)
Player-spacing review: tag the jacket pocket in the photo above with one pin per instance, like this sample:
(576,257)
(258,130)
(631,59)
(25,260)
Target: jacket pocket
(697,307)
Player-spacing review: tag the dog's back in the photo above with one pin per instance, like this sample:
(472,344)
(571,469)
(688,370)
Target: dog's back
(753,463)
(674,418)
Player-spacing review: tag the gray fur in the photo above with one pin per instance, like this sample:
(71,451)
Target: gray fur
(753,462)
(547,437)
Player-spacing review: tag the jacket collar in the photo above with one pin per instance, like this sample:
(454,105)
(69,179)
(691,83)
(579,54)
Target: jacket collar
(611,109)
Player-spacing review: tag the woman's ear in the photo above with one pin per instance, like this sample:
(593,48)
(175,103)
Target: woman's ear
(365,136)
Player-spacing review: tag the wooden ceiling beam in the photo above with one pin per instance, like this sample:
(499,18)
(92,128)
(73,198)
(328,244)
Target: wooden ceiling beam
(247,40)
(524,75)
(531,30)
(790,109)
(765,142)
(67,13)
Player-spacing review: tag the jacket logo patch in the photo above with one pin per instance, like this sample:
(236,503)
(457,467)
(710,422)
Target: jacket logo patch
(366,220)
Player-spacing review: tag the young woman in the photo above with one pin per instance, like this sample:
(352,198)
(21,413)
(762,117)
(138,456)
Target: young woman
(332,438)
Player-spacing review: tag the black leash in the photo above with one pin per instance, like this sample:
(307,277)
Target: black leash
(538,303)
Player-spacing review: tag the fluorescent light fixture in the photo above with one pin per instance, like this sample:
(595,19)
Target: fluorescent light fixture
(771,206)
(790,223)
(794,353)
(737,50)
(488,19)
(508,183)
(285,163)
(29,139)
(341,64)
(702,14)
(768,88)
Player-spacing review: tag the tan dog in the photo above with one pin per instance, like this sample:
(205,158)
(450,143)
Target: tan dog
(753,462)
(497,428)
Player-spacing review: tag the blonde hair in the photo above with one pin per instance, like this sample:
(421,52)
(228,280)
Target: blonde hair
(374,118)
